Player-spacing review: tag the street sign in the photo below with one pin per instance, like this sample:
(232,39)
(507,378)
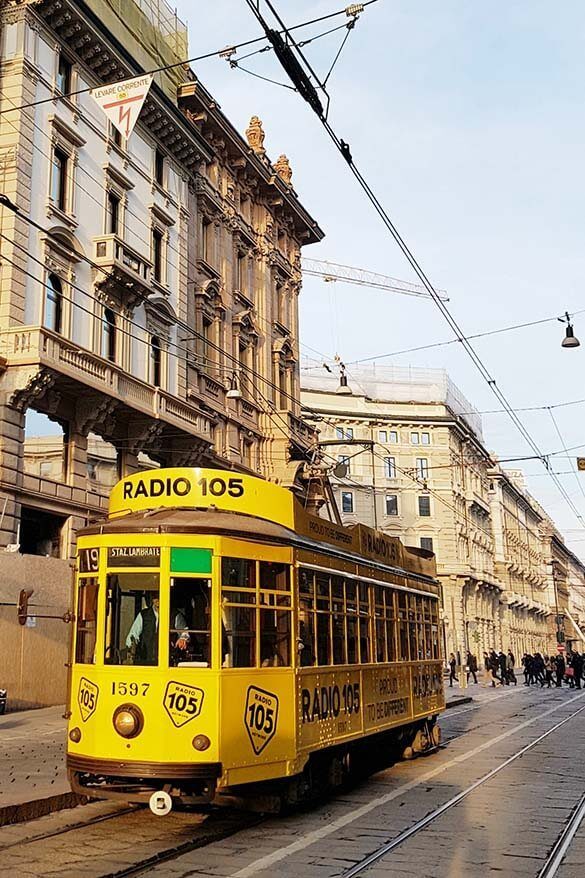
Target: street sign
(581,464)
(560,647)
(123,101)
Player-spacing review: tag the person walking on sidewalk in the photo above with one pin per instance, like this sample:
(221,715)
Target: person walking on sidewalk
(452,669)
(510,665)
(471,666)
(503,665)
(493,668)
(560,670)
(577,665)
(548,670)
(526,664)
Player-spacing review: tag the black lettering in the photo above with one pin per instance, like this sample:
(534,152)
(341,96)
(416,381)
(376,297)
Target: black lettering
(335,701)
(157,487)
(316,712)
(127,490)
(181,486)
(140,489)
(306,703)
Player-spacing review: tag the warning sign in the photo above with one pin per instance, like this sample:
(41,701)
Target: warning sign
(123,101)
(182,703)
(261,717)
(87,698)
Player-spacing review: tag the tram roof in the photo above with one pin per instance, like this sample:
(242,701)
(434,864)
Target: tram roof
(416,563)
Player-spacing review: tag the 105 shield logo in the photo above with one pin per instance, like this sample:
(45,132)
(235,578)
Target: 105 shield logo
(87,698)
(182,703)
(261,717)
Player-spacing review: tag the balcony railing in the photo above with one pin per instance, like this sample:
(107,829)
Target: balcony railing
(112,254)
(24,346)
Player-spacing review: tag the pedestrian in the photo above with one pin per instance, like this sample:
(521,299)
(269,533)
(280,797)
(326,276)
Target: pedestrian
(486,661)
(548,670)
(577,665)
(510,665)
(493,668)
(527,665)
(538,669)
(452,669)
(503,666)
(560,670)
(471,666)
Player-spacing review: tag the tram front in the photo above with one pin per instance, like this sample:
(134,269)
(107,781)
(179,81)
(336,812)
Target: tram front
(143,712)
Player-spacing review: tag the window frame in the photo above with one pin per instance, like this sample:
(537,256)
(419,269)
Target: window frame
(344,496)
(58,301)
(390,467)
(428,499)
(386,498)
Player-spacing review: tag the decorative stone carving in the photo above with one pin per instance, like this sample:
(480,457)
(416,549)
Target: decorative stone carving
(94,414)
(255,136)
(36,387)
(283,169)
(145,436)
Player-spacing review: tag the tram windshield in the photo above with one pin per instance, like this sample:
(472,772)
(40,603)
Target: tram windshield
(132,614)
(190,622)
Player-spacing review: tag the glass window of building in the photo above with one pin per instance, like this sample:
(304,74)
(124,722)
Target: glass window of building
(155,360)
(159,167)
(422,467)
(391,504)
(390,467)
(424,505)
(53,303)
(109,335)
(426,543)
(414,438)
(59,178)
(63,81)
(157,251)
(382,436)
(113,213)
(347,501)
(425,438)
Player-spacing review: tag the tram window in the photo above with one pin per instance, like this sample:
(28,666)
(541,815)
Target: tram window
(274,576)
(275,638)
(132,615)
(365,655)
(306,641)
(86,621)
(402,627)
(240,626)
(190,622)
(381,639)
(306,582)
(238,573)
(323,639)
(412,628)
(351,621)
(338,624)
(434,641)
(323,592)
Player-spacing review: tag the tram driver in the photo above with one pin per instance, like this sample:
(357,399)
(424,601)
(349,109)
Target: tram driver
(142,639)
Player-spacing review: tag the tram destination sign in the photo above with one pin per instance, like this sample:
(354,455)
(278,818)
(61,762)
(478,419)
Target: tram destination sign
(134,556)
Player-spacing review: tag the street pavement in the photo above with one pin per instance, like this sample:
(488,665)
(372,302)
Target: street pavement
(530,741)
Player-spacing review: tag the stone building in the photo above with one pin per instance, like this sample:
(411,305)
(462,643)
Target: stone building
(414,465)
(149,286)
(520,563)
(421,474)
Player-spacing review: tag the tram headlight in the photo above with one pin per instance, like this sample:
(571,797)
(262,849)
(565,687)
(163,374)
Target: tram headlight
(128,720)
(201,742)
(75,735)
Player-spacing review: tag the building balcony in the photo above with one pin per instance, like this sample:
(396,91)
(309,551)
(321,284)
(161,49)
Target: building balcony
(123,273)
(77,371)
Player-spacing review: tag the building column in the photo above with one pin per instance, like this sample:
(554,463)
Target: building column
(11,470)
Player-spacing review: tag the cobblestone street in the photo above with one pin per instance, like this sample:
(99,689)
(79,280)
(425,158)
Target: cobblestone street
(523,738)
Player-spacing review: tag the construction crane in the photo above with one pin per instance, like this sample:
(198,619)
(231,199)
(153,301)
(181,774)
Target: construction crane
(333,271)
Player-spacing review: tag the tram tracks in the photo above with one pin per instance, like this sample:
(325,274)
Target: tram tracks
(559,850)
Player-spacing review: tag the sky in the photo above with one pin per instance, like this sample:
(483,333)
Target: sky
(467,121)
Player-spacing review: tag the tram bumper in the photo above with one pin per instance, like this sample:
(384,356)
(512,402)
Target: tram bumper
(130,781)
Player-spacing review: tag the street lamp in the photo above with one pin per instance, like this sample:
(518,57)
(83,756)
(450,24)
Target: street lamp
(569,341)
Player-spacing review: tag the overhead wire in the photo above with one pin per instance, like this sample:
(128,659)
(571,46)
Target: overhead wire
(345,151)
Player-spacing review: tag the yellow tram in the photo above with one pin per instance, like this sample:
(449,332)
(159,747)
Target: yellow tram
(229,644)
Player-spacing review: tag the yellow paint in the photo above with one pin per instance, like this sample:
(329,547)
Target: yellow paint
(262,722)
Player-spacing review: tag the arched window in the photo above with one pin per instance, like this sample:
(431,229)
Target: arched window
(155,360)
(109,335)
(53,303)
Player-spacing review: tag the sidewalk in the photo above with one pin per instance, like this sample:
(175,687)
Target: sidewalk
(33,780)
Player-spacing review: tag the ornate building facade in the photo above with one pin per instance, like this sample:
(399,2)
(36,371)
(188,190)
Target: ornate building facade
(148,287)
(410,460)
